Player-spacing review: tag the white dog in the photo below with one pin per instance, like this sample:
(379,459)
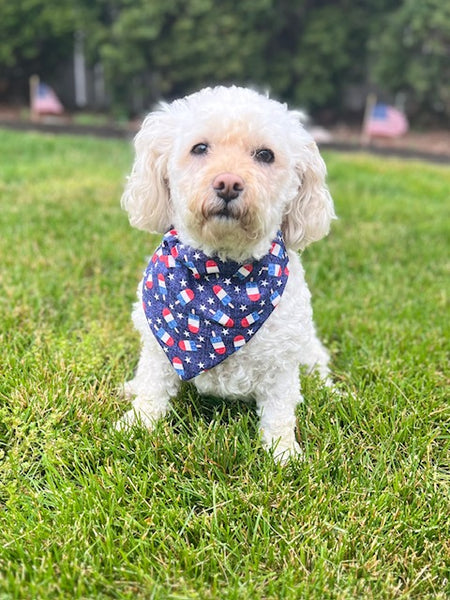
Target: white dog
(238,187)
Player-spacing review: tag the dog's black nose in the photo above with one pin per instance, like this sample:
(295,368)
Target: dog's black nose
(228,186)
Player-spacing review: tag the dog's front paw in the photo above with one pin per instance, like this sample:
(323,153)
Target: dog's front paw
(284,447)
(127,389)
(284,452)
(135,418)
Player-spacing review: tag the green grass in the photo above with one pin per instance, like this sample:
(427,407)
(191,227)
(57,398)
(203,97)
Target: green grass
(197,509)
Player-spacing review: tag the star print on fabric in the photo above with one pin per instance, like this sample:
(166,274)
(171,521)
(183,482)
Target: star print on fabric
(202,309)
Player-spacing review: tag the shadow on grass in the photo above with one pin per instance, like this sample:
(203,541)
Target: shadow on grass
(189,408)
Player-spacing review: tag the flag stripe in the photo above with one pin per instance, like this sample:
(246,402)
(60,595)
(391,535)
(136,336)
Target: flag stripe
(386,121)
(45,101)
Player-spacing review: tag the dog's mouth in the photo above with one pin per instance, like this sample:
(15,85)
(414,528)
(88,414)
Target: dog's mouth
(224,211)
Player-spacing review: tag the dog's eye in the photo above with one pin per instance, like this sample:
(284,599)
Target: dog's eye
(264,155)
(199,149)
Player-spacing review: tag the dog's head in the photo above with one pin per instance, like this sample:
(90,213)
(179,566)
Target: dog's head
(228,167)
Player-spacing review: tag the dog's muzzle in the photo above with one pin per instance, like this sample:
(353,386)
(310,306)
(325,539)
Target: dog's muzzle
(228,188)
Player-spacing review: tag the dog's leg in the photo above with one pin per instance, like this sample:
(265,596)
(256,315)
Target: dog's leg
(276,398)
(154,384)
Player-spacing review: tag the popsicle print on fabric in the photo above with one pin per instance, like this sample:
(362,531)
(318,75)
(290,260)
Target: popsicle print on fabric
(201,309)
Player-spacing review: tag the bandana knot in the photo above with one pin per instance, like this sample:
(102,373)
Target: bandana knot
(202,309)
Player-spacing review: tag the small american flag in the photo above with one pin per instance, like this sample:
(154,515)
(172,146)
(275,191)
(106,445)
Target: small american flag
(45,101)
(385,121)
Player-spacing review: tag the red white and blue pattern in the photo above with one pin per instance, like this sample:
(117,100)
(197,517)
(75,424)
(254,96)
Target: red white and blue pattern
(202,309)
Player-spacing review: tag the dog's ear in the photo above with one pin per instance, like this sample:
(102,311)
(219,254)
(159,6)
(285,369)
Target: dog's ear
(309,214)
(146,197)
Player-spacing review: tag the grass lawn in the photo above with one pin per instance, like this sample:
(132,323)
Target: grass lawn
(197,509)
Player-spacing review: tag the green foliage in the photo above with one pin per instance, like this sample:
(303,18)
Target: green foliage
(305,52)
(34,32)
(412,54)
(198,509)
(172,47)
(323,59)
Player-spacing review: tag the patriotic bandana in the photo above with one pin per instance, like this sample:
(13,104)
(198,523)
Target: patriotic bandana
(201,309)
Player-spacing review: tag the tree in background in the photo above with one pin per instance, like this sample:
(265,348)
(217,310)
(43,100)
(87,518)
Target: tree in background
(35,35)
(170,48)
(303,51)
(411,55)
(306,52)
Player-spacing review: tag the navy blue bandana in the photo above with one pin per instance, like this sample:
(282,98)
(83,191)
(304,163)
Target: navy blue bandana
(202,309)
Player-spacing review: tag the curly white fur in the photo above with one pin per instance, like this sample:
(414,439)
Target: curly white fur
(172,186)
